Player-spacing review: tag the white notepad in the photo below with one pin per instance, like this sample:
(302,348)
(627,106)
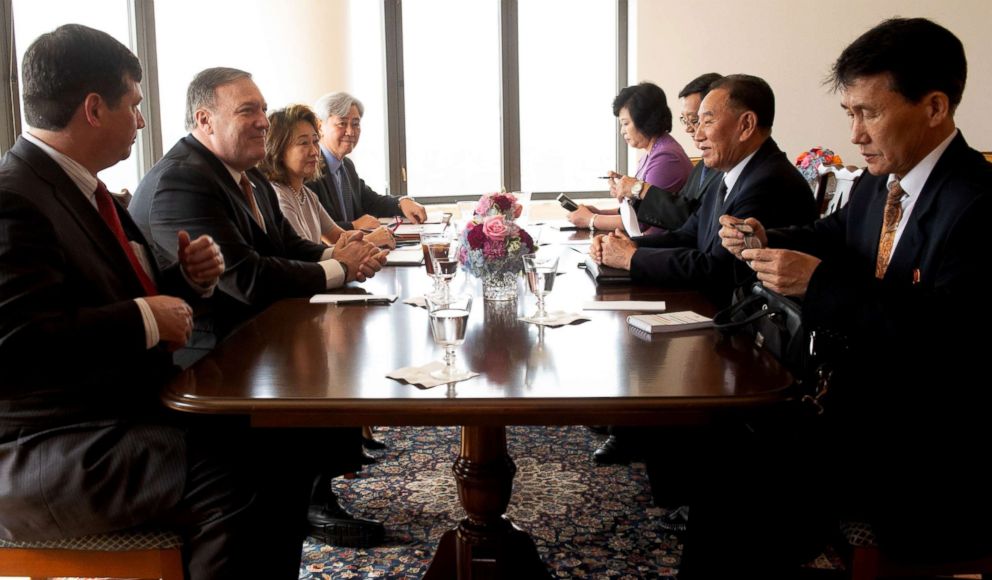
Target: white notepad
(669,322)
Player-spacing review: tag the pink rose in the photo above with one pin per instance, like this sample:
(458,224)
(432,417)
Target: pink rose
(494,227)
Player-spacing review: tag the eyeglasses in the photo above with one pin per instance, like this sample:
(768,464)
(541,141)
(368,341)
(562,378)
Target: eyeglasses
(690,122)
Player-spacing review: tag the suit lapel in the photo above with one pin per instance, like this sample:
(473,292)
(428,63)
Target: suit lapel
(906,255)
(229,185)
(65,191)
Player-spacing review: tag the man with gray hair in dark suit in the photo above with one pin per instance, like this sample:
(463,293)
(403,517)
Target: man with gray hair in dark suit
(350,202)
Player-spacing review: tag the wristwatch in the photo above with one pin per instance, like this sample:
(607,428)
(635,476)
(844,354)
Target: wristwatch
(635,190)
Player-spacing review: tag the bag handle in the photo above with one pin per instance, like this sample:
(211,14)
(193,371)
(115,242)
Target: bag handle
(722,320)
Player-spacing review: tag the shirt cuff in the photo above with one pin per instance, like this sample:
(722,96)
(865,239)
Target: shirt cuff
(333,273)
(151,327)
(328,254)
(201,290)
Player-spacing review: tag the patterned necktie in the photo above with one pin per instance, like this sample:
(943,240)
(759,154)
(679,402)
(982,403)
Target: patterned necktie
(250,198)
(890,223)
(346,195)
(108,211)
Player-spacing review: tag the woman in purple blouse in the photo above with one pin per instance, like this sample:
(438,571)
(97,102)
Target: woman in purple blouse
(646,124)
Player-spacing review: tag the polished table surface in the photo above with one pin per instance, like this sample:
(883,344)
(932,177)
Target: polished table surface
(299,363)
(302,364)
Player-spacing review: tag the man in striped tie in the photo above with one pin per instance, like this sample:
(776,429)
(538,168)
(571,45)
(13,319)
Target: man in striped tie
(899,278)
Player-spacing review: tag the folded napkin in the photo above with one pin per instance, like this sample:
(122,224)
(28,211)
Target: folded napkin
(353,298)
(556,318)
(418,301)
(421,376)
(641,305)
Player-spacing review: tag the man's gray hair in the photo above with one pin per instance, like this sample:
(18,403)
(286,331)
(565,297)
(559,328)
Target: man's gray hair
(202,92)
(336,104)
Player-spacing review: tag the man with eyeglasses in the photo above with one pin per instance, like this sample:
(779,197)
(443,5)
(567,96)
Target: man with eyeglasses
(670,209)
(350,202)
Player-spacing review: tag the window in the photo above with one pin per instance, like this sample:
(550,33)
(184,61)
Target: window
(567,85)
(452,105)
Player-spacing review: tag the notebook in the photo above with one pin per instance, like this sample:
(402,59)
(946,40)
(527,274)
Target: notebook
(605,275)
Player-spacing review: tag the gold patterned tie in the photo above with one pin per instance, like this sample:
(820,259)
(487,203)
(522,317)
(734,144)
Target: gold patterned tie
(249,194)
(890,223)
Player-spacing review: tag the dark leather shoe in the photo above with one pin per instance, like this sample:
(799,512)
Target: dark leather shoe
(611,452)
(336,527)
(366,459)
(372,445)
(675,520)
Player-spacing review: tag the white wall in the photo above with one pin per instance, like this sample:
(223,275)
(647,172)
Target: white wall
(792,46)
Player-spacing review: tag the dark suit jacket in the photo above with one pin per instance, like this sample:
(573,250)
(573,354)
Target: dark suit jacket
(365,200)
(76,374)
(190,189)
(909,404)
(669,210)
(769,189)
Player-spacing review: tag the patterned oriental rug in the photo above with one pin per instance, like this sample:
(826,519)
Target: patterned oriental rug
(587,521)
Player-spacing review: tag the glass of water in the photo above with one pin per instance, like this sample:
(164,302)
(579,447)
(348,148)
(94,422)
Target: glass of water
(449,319)
(541,271)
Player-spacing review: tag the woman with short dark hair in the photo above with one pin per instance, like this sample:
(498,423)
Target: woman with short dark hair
(645,124)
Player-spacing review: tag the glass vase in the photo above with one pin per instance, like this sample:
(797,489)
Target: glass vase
(499,285)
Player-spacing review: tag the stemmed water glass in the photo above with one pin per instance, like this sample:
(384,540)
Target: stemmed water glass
(436,242)
(444,263)
(541,271)
(449,319)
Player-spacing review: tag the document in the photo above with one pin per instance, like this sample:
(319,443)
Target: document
(353,298)
(405,257)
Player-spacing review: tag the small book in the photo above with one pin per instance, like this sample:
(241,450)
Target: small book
(669,321)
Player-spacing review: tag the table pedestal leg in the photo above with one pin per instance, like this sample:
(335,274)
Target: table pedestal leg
(485,544)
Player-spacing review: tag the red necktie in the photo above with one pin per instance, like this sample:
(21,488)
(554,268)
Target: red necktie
(108,211)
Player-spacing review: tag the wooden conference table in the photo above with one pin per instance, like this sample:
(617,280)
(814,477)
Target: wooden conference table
(301,364)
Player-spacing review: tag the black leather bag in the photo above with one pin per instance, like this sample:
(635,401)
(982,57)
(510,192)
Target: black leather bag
(775,322)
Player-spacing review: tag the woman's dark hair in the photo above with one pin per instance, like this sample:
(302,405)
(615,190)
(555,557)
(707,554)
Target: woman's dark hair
(648,108)
(282,122)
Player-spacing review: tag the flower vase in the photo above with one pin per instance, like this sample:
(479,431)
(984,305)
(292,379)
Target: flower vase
(499,285)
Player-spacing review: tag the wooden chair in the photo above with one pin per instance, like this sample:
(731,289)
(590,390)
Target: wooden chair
(834,189)
(869,563)
(132,554)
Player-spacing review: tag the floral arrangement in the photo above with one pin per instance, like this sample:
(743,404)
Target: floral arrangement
(809,162)
(504,204)
(492,244)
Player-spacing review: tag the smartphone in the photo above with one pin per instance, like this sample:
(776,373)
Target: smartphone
(566,202)
(751,241)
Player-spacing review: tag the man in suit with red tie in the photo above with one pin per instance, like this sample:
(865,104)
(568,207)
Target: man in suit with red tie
(899,276)
(87,323)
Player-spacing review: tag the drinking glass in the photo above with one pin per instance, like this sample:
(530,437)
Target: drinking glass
(437,241)
(449,319)
(541,271)
(444,263)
